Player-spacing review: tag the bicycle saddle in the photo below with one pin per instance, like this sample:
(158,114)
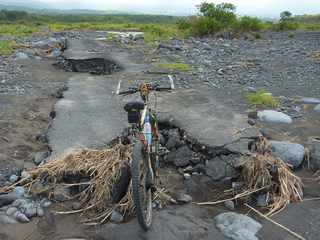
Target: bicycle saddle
(134,106)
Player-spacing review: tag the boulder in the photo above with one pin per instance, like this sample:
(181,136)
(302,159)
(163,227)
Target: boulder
(315,154)
(237,226)
(310,100)
(317,108)
(21,56)
(274,117)
(291,153)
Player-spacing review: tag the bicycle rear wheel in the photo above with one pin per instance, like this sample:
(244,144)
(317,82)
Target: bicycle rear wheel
(141,188)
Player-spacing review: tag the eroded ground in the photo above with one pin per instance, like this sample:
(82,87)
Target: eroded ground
(208,103)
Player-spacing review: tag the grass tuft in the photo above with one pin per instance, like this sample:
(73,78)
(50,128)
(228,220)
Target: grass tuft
(262,98)
(182,67)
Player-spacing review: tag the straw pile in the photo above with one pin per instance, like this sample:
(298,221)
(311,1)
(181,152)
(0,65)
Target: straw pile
(101,167)
(264,171)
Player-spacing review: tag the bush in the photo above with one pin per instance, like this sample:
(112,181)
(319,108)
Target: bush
(205,25)
(262,98)
(246,24)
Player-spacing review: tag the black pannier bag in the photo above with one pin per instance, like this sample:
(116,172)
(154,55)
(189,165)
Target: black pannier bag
(134,111)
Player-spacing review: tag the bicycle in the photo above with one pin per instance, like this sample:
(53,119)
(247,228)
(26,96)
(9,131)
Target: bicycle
(144,134)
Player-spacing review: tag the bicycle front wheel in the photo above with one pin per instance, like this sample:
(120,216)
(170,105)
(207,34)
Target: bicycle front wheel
(141,187)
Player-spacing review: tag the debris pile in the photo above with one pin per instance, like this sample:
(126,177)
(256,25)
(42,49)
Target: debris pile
(264,170)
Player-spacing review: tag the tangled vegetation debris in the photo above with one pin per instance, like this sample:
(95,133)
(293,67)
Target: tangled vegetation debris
(263,173)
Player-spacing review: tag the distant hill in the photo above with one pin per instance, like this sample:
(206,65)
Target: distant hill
(39,7)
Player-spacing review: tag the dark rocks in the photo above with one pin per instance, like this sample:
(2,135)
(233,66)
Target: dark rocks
(291,153)
(237,226)
(181,157)
(174,139)
(219,168)
(274,117)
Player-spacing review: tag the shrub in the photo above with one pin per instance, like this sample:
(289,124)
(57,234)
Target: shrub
(262,98)
(205,25)
(285,26)
(247,23)
(7,47)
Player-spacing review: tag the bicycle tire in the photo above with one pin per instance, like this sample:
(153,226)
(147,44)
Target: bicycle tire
(144,213)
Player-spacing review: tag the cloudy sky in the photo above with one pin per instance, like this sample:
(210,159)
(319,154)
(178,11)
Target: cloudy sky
(264,8)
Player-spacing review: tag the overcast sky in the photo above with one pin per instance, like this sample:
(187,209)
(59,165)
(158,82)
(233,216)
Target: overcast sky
(264,8)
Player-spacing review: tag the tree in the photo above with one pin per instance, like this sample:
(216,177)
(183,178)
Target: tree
(285,16)
(224,13)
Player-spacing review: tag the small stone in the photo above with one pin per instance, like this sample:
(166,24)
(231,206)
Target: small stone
(40,211)
(30,210)
(262,200)
(19,202)
(11,210)
(274,117)
(230,205)
(19,216)
(251,122)
(13,178)
(116,217)
(19,192)
(45,203)
(76,205)
(184,198)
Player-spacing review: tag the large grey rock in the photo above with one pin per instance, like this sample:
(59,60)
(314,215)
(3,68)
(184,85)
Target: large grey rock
(310,100)
(237,226)
(317,108)
(291,153)
(274,117)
